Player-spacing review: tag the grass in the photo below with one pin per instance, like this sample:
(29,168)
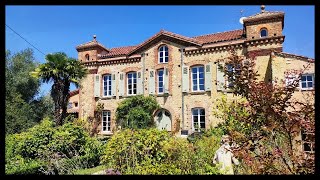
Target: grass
(90,170)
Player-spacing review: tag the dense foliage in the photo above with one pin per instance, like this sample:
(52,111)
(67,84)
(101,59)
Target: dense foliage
(265,124)
(45,149)
(23,105)
(151,151)
(136,112)
(62,71)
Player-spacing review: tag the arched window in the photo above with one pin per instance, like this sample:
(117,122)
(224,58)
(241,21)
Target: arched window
(263,32)
(163,54)
(198,119)
(107,85)
(197,75)
(87,57)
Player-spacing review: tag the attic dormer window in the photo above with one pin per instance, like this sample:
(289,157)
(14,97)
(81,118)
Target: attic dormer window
(87,57)
(263,32)
(163,54)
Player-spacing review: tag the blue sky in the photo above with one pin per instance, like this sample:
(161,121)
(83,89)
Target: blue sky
(62,28)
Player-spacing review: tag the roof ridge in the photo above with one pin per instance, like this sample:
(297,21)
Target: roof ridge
(216,33)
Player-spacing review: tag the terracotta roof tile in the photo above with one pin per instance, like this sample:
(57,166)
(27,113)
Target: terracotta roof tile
(118,51)
(290,55)
(219,37)
(263,15)
(74,92)
(90,44)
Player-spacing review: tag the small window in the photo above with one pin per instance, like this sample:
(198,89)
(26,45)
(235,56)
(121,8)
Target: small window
(163,54)
(107,85)
(106,121)
(198,119)
(132,83)
(307,82)
(263,32)
(307,142)
(87,57)
(230,68)
(160,81)
(197,78)
(76,104)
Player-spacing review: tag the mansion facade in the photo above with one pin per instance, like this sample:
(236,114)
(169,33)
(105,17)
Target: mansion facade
(182,72)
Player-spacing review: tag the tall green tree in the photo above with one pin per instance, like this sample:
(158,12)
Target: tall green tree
(24,107)
(62,71)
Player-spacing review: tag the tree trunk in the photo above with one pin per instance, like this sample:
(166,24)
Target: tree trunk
(56,96)
(65,99)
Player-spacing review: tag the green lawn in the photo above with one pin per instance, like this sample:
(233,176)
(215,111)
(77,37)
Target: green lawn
(90,170)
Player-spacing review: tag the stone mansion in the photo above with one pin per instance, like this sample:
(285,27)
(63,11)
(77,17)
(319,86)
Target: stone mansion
(181,72)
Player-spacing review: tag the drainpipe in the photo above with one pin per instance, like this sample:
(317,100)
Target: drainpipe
(143,55)
(182,94)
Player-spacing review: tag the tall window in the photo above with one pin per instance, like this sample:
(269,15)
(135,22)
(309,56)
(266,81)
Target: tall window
(163,54)
(263,32)
(198,78)
(308,142)
(106,121)
(107,85)
(87,57)
(132,83)
(198,119)
(307,81)
(230,68)
(160,81)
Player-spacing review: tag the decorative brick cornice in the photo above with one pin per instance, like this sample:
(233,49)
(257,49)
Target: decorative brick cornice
(93,71)
(263,41)
(225,47)
(110,62)
(128,69)
(196,62)
(263,52)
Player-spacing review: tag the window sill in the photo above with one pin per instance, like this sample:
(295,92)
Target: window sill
(107,133)
(107,97)
(197,92)
(163,95)
(307,89)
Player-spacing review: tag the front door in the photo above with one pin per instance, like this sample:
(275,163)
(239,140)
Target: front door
(163,120)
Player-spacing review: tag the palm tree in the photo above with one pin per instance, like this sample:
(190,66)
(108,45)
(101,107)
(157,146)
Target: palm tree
(63,71)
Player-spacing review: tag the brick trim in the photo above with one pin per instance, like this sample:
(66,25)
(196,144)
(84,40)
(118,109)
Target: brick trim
(129,69)
(263,52)
(197,62)
(93,71)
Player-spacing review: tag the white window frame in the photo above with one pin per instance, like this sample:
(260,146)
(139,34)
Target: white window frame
(311,144)
(265,30)
(109,85)
(199,117)
(158,77)
(164,54)
(198,79)
(132,80)
(107,115)
(307,88)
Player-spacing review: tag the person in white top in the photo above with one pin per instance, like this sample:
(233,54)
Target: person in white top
(224,157)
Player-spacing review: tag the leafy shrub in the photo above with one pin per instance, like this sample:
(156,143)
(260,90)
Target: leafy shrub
(61,149)
(19,165)
(136,112)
